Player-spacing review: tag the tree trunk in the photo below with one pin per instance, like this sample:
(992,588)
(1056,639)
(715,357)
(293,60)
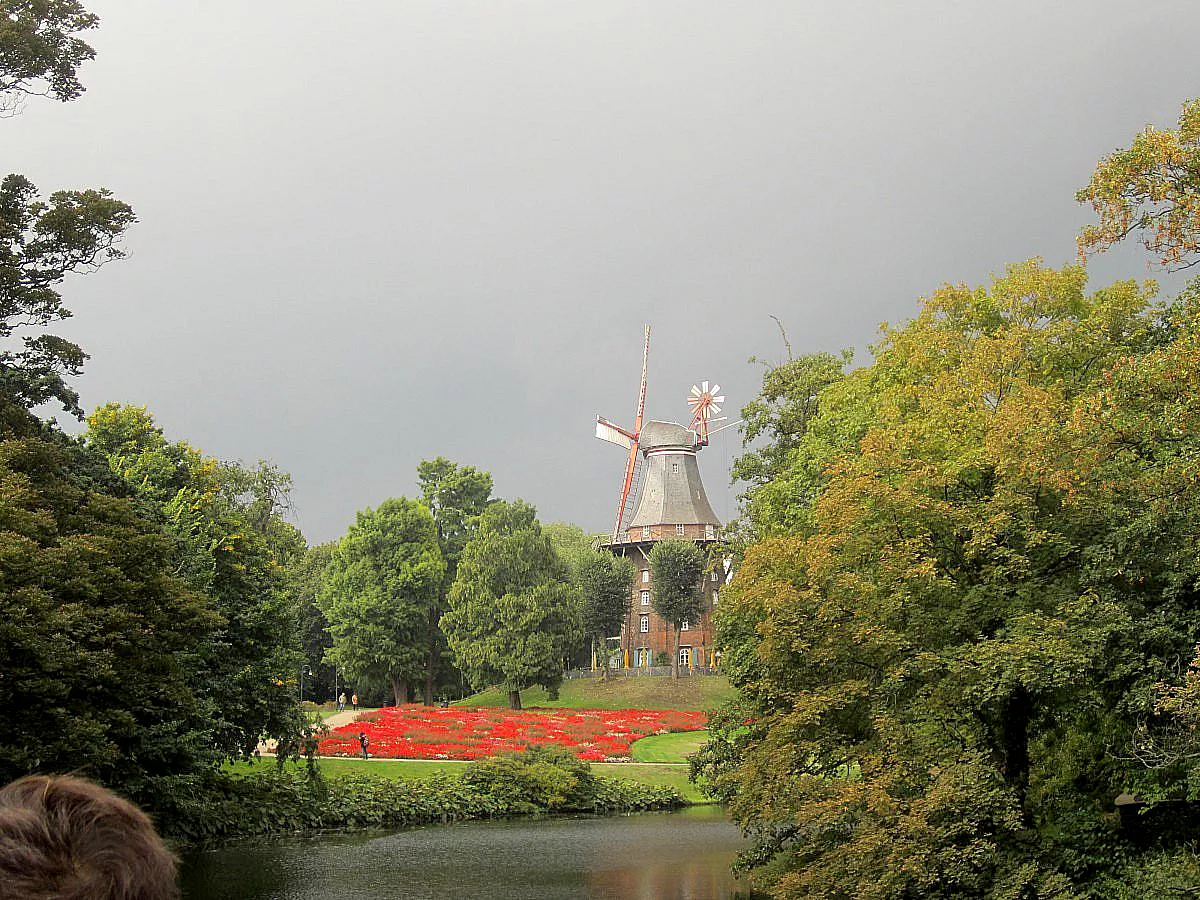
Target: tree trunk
(675,656)
(400,690)
(1014,735)
(603,651)
(514,699)
(431,661)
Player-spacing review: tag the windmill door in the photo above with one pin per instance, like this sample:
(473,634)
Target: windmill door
(685,657)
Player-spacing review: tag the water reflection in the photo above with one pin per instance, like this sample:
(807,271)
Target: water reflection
(656,856)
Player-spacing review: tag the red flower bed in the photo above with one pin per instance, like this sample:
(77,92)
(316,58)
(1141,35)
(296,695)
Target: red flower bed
(427,732)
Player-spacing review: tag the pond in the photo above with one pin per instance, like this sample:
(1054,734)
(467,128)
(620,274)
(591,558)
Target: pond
(683,855)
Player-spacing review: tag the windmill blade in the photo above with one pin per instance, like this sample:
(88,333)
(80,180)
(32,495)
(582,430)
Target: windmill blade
(712,408)
(610,433)
(716,389)
(704,385)
(719,399)
(696,392)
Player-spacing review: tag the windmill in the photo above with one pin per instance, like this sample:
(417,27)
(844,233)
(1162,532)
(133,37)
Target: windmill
(615,434)
(705,404)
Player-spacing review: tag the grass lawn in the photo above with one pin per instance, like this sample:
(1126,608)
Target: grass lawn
(690,692)
(668,776)
(668,748)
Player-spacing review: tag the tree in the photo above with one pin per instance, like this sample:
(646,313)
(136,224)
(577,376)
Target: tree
(305,577)
(41,242)
(1152,188)
(381,581)
(605,586)
(513,615)
(39,52)
(676,569)
(457,496)
(947,660)
(233,550)
(98,637)
(779,419)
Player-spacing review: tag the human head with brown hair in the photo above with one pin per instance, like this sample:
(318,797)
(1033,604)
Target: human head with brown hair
(65,838)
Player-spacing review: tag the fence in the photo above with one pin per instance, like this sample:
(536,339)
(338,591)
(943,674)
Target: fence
(640,672)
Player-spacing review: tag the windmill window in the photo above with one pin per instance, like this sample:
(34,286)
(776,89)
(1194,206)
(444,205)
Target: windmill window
(645,598)
(684,626)
(714,575)
(674,468)
(646,576)
(679,529)
(716,597)
(710,534)
(644,624)
(645,531)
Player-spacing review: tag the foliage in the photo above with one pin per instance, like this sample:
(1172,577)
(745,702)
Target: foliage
(382,580)
(676,568)
(223,808)
(305,574)
(457,496)
(1153,188)
(512,615)
(230,546)
(97,636)
(778,418)
(605,585)
(946,656)
(543,777)
(39,52)
(41,242)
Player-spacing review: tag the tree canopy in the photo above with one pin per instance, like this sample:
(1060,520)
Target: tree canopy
(605,586)
(512,614)
(1151,189)
(382,580)
(947,655)
(40,52)
(676,568)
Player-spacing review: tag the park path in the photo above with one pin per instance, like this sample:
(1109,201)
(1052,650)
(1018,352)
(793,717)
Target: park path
(336,720)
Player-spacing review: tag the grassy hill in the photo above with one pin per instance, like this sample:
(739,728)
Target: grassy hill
(691,692)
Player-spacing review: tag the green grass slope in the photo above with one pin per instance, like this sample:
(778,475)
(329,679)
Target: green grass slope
(691,692)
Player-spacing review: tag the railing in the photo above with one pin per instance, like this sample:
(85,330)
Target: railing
(640,671)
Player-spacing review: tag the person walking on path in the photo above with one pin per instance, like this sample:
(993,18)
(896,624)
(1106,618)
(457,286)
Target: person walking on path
(364,743)
(354,701)
(342,701)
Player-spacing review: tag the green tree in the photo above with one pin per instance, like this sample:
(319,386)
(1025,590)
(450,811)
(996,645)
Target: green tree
(513,615)
(41,243)
(40,53)
(227,549)
(676,570)
(457,496)
(98,638)
(778,419)
(605,586)
(305,576)
(947,658)
(1152,188)
(381,581)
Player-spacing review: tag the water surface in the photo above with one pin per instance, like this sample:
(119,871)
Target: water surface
(649,856)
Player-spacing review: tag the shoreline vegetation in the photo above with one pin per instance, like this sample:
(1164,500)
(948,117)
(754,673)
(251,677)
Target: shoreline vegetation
(264,799)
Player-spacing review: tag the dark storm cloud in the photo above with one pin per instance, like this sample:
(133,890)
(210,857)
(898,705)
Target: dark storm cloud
(373,232)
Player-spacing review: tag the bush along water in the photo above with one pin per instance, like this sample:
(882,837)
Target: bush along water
(266,803)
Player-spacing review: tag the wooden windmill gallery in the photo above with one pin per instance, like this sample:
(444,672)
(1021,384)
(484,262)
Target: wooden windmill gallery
(663,497)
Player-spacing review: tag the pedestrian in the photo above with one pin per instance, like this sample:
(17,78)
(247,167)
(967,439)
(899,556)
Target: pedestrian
(342,701)
(364,743)
(354,701)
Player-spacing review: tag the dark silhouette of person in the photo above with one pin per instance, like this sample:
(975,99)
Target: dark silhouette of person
(65,838)
(364,743)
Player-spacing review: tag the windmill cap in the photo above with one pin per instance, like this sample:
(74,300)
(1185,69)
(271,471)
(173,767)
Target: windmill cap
(661,435)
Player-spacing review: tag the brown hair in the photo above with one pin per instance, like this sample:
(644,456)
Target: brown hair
(64,838)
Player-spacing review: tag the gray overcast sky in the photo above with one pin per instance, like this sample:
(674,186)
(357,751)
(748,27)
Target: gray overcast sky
(376,231)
